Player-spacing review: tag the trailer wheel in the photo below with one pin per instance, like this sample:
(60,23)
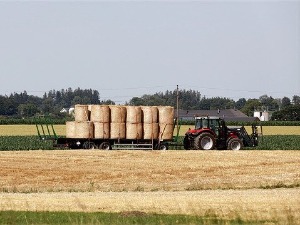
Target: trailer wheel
(234,144)
(105,146)
(204,141)
(89,145)
(162,146)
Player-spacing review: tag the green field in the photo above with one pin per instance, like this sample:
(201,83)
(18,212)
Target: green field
(24,137)
(123,218)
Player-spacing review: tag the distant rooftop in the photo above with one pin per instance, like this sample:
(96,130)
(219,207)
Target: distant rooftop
(226,114)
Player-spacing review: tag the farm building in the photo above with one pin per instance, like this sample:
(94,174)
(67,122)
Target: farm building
(226,114)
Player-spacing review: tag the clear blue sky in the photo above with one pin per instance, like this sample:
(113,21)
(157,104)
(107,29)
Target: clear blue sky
(125,49)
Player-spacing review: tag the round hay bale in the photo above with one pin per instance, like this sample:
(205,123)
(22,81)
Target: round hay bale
(166,114)
(134,131)
(166,131)
(117,131)
(150,131)
(117,114)
(100,113)
(84,129)
(134,114)
(82,113)
(149,114)
(101,130)
(70,129)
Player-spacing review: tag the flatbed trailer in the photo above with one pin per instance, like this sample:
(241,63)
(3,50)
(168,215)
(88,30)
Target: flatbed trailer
(46,131)
(109,144)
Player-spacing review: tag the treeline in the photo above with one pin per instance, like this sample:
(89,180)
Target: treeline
(24,106)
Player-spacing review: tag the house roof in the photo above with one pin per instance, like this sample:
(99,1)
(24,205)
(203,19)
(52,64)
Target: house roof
(220,113)
(226,114)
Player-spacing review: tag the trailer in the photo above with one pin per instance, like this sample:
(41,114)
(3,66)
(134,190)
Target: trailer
(46,131)
(127,128)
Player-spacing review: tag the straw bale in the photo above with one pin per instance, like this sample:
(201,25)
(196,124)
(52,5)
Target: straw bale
(149,114)
(117,130)
(117,114)
(134,130)
(70,129)
(84,129)
(100,113)
(101,130)
(150,131)
(166,131)
(166,114)
(134,114)
(82,113)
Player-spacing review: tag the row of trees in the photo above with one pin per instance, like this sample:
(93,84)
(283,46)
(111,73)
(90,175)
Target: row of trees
(24,105)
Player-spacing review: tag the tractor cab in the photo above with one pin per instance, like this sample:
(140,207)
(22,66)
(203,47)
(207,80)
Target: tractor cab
(214,124)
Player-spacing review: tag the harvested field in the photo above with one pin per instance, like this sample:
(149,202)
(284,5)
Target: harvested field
(79,170)
(27,130)
(249,184)
(277,204)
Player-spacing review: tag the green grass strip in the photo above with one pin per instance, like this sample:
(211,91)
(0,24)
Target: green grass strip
(72,218)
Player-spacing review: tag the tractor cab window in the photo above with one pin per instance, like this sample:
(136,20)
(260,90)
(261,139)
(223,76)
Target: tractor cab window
(204,123)
(201,123)
(214,125)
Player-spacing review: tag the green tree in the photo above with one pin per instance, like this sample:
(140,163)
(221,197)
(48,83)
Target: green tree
(27,110)
(285,102)
(289,113)
(250,106)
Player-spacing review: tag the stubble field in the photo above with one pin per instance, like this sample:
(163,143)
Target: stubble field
(248,184)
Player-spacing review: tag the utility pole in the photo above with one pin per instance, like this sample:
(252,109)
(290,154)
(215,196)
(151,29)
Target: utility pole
(177,121)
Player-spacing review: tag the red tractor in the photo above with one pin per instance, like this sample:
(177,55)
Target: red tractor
(212,133)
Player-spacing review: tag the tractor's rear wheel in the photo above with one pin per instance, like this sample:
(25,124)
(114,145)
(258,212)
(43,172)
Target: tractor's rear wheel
(234,144)
(205,141)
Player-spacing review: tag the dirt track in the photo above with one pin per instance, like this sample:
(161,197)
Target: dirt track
(192,182)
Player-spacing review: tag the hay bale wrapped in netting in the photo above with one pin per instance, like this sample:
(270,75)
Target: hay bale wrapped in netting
(149,114)
(117,114)
(133,114)
(84,129)
(101,130)
(117,131)
(166,131)
(70,129)
(82,113)
(150,131)
(166,114)
(134,131)
(100,113)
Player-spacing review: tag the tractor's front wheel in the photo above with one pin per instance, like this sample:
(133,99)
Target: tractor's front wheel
(205,141)
(234,144)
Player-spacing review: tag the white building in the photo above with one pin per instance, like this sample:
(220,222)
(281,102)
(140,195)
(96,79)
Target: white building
(262,115)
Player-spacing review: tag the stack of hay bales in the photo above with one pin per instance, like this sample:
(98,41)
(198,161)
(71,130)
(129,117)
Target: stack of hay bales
(134,125)
(166,122)
(82,127)
(100,116)
(117,123)
(150,122)
(121,122)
